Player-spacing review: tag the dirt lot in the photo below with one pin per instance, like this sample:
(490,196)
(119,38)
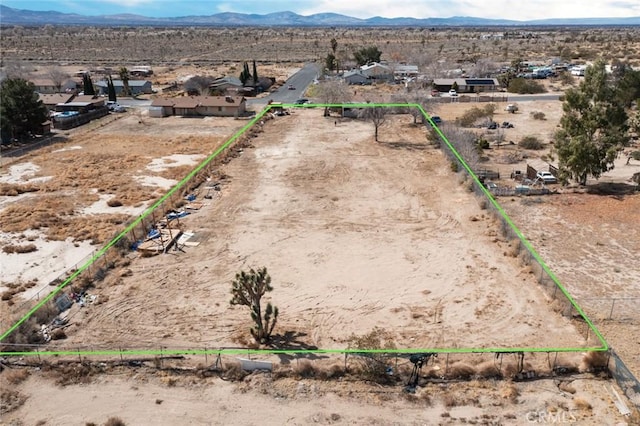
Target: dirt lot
(356,235)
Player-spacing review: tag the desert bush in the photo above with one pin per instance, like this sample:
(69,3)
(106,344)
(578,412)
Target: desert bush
(582,404)
(509,391)
(460,370)
(58,334)
(14,248)
(114,202)
(635,155)
(594,361)
(471,116)
(525,86)
(538,115)
(16,377)
(372,366)
(233,371)
(10,400)
(531,142)
(114,421)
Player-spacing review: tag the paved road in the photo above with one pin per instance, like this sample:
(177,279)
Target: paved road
(300,80)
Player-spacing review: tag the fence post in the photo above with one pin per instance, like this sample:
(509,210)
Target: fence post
(613,302)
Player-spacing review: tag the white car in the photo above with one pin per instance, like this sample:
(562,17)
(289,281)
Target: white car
(453,93)
(547,177)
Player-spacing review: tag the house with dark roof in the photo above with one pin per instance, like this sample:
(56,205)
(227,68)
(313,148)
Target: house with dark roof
(355,77)
(467,85)
(136,87)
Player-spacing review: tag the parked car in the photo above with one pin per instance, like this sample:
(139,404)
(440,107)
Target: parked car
(435,93)
(491,186)
(291,87)
(436,119)
(453,93)
(512,108)
(547,177)
(301,101)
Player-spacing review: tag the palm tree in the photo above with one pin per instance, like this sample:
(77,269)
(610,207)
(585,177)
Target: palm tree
(123,73)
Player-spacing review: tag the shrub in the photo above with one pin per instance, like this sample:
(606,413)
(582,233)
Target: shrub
(27,248)
(525,86)
(471,116)
(114,202)
(538,115)
(531,142)
(114,421)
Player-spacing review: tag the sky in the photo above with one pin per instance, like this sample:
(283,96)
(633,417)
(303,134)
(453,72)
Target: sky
(519,10)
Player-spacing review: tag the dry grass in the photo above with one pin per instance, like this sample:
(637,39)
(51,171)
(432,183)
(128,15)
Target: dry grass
(582,404)
(14,248)
(114,421)
(509,391)
(15,189)
(594,361)
(15,377)
(461,370)
(10,400)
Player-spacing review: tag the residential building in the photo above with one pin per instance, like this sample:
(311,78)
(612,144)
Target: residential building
(467,85)
(136,87)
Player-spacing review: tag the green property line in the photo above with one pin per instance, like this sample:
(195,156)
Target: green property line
(407,351)
(148,211)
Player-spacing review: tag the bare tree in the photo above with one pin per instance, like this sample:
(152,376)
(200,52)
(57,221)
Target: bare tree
(377,115)
(198,83)
(333,92)
(463,141)
(58,77)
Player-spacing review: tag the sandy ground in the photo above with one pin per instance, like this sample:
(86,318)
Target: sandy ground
(355,234)
(143,399)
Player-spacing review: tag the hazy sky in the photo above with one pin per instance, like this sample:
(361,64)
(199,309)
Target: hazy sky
(508,9)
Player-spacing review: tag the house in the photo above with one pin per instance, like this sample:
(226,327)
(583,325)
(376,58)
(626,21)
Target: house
(161,107)
(46,85)
(224,84)
(50,100)
(466,85)
(401,71)
(195,106)
(377,71)
(222,106)
(135,86)
(355,77)
(186,106)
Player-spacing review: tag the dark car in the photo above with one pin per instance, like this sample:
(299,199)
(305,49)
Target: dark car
(436,119)
(301,101)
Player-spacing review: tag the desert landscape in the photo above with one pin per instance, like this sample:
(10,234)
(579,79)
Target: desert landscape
(370,244)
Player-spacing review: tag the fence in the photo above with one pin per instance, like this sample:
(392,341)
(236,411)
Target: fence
(612,308)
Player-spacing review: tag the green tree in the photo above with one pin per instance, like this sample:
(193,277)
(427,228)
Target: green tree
(255,74)
(247,290)
(87,85)
(123,73)
(245,74)
(367,55)
(593,127)
(330,62)
(111,90)
(334,45)
(454,86)
(20,110)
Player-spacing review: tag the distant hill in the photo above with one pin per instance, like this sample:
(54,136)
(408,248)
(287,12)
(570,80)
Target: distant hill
(11,16)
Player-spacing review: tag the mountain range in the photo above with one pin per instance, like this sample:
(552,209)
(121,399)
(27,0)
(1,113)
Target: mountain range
(11,16)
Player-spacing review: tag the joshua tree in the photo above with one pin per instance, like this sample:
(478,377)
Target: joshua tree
(247,290)
(123,73)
